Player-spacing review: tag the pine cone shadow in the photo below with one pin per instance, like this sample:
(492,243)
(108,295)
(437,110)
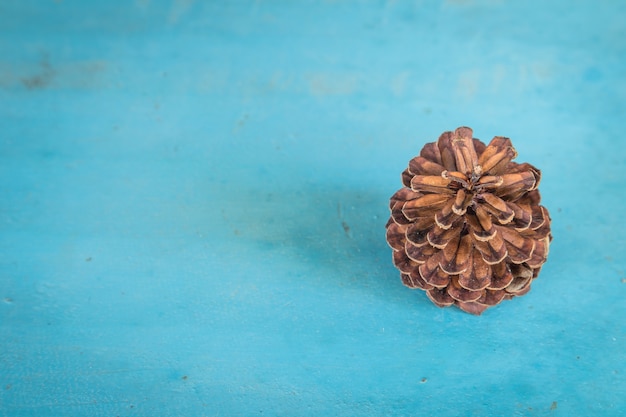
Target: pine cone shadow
(328,237)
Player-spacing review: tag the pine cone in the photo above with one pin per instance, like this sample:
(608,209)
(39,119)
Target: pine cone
(467,226)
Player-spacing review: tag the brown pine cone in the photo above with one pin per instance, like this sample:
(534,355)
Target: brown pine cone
(467,226)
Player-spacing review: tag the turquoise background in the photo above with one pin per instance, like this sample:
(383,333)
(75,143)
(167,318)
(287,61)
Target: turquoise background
(193,198)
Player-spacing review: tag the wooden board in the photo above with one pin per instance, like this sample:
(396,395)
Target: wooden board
(193,198)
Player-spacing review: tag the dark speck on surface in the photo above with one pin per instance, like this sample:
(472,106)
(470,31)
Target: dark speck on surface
(346,228)
(553,406)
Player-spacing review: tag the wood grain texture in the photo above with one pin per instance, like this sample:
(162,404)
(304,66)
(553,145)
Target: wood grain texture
(193,199)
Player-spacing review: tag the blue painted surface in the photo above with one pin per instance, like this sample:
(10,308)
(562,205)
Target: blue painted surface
(193,198)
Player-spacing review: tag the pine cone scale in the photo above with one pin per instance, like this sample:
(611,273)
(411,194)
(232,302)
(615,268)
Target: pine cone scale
(419,254)
(522,216)
(497,155)
(439,237)
(491,297)
(431,184)
(456,256)
(440,297)
(423,166)
(502,277)
(477,277)
(493,251)
(444,144)
(459,293)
